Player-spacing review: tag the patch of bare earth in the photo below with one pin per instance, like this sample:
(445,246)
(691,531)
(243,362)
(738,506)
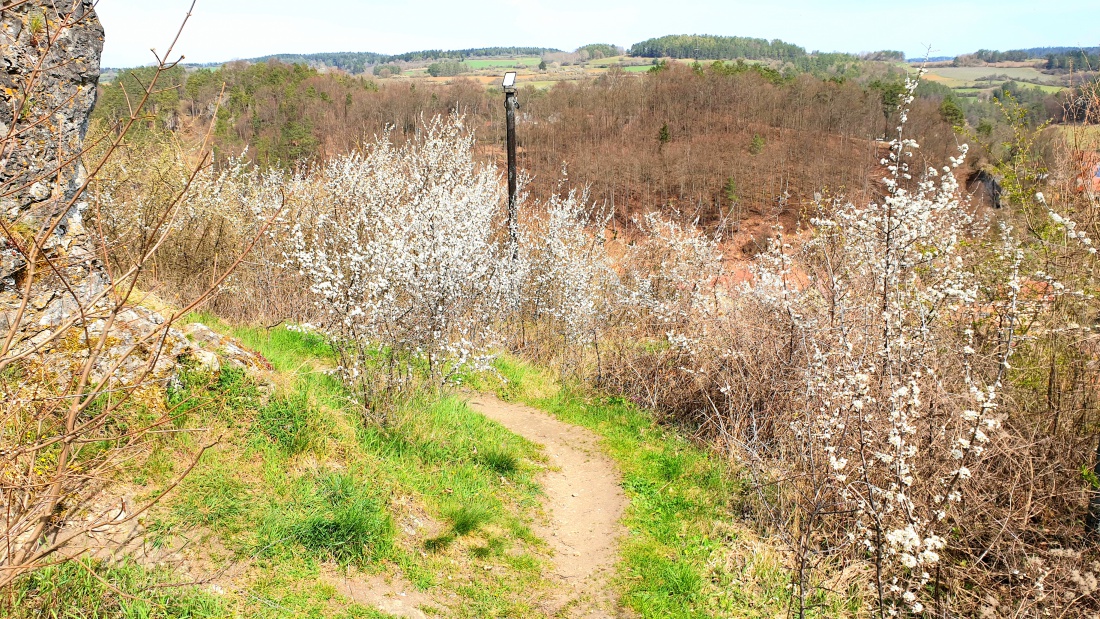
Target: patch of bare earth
(584,504)
(392,595)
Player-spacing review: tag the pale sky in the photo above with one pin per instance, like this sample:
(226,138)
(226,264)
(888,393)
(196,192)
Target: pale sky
(222,30)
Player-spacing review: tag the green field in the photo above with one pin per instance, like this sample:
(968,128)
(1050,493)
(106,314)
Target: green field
(1089,135)
(492,63)
(1049,88)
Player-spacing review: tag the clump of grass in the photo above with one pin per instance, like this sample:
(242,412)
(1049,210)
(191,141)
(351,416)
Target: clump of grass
(357,531)
(350,526)
(338,488)
(670,466)
(502,462)
(439,543)
(287,422)
(212,497)
(468,519)
(465,520)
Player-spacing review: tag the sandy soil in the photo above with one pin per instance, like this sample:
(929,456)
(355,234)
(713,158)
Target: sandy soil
(392,595)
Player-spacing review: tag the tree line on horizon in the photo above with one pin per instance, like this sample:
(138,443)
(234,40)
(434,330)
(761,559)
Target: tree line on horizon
(1057,58)
(700,47)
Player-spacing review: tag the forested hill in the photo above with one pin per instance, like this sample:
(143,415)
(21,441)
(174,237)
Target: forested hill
(708,47)
(357,62)
(1020,55)
(352,62)
(476,52)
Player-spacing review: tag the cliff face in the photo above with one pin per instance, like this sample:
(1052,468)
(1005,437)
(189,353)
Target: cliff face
(49,68)
(53,312)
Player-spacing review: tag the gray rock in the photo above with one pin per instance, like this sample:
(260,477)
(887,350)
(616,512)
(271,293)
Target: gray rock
(207,360)
(41,178)
(65,93)
(202,335)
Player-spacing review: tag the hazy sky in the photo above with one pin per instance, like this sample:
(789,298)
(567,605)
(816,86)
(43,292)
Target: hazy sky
(227,29)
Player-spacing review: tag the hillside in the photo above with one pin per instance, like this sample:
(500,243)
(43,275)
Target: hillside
(360,62)
(802,334)
(299,508)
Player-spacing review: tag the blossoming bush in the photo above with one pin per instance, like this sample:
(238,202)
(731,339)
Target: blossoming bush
(564,278)
(885,433)
(220,210)
(885,378)
(401,249)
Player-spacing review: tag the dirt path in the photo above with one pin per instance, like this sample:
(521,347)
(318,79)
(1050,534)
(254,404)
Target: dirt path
(584,502)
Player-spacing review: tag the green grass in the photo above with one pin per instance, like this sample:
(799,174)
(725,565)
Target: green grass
(73,590)
(468,519)
(492,63)
(1049,88)
(352,530)
(298,485)
(298,481)
(503,462)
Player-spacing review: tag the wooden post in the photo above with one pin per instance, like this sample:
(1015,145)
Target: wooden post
(513,181)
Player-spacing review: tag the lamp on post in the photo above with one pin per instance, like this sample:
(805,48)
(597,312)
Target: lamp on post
(509,85)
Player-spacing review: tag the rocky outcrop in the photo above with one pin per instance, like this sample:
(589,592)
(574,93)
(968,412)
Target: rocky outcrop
(57,309)
(49,69)
(211,349)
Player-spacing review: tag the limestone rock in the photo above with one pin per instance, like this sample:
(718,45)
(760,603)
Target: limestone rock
(63,94)
(225,349)
(49,70)
(207,360)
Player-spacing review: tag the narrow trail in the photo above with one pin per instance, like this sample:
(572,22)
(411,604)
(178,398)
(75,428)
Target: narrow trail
(584,504)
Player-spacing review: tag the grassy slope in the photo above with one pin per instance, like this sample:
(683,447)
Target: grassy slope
(299,486)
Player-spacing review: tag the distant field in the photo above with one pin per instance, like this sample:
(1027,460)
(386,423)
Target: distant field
(1088,134)
(968,76)
(492,63)
(1049,88)
(963,79)
(606,62)
(612,60)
